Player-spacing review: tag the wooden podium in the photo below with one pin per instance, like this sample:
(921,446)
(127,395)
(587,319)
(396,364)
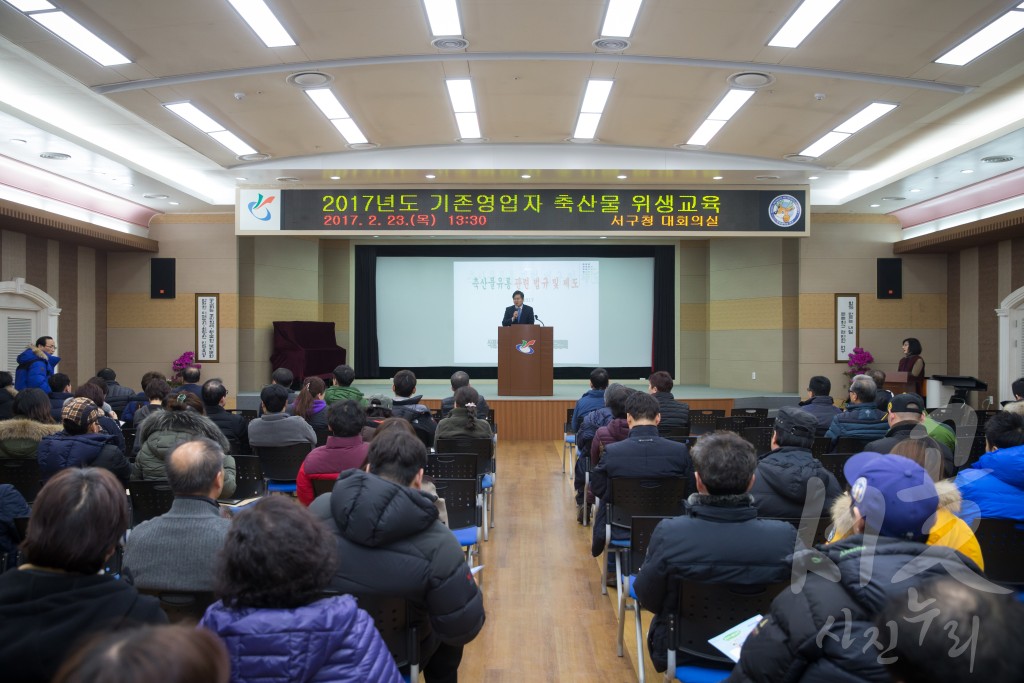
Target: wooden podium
(525,360)
(900,383)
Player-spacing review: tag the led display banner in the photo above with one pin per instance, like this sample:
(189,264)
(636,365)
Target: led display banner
(526,210)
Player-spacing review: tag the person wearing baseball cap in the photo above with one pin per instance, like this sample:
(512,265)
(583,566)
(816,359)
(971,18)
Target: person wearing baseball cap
(906,421)
(822,631)
(783,476)
(82,443)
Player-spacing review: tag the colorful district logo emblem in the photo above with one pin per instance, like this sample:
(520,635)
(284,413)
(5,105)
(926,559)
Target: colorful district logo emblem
(258,209)
(526,347)
(784,210)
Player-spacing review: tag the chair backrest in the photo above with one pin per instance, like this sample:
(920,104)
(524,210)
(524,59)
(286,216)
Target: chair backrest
(452,466)
(484,449)
(128,432)
(688,440)
(460,500)
(821,446)
(249,482)
(834,463)
(640,529)
(812,531)
(702,421)
(568,421)
(282,463)
(391,616)
(649,496)
(321,435)
(150,498)
(1002,546)
(706,609)
(322,486)
(749,412)
(669,432)
(22,474)
(182,606)
(761,437)
(849,444)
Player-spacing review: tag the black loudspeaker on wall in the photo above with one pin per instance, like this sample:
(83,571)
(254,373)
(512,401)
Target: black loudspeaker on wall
(161,278)
(890,278)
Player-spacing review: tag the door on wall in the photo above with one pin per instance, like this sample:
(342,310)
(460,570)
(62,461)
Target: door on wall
(20,332)
(1016,342)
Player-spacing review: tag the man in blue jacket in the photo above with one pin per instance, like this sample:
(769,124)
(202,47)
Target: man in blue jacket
(993,487)
(35,365)
(862,419)
(592,400)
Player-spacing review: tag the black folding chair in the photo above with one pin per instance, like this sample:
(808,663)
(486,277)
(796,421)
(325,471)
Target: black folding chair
(834,463)
(486,465)
(391,617)
(281,465)
(703,421)
(821,446)
(670,432)
(150,498)
(182,606)
(736,423)
(22,474)
(761,437)
(249,482)
(640,531)
(322,486)
(760,414)
(849,444)
(321,435)
(1002,546)
(462,502)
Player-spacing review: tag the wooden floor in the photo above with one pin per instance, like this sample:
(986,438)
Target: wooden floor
(546,617)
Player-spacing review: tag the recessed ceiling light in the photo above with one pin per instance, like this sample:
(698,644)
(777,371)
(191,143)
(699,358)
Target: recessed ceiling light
(603,237)
(430,176)
(526,176)
(825,143)
(31,5)
(335,177)
(18,141)
(984,40)
(174,203)
(58,156)
(875,206)
(915,189)
(240,178)
(804,20)
(766,177)
(80,37)
(622,177)
(717,177)
(894,199)
(967,171)
(156,196)
(620,17)
(263,22)
(812,177)
(443,16)
(258,156)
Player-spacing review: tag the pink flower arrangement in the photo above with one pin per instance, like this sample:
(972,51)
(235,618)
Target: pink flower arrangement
(185,360)
(859,363)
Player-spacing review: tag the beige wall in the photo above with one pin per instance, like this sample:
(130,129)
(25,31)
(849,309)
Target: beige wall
(692,365)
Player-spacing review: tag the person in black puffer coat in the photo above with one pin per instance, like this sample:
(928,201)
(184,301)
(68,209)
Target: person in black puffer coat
(117,396)
(783,477)
(819,403)
(674,415)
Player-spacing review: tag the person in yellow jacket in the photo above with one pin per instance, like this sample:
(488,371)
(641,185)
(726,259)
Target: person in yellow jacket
(949,530)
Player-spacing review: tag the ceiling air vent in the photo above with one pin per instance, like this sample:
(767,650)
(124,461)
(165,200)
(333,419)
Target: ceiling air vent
(611,44)
(450,43)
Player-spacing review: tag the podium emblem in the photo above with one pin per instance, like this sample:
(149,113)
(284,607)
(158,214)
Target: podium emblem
(526,347)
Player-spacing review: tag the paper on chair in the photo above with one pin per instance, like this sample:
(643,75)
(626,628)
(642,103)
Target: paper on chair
(731,642)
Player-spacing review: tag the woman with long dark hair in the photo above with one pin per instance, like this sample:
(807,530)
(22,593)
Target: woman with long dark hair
(310,404)
(32,422)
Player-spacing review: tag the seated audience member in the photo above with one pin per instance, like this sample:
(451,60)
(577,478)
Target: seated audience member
(407,552)
(592,399)
(275,427)
(182,419)
(60,392)
(427,484)
(81,444)
(170,654)
(177,550)
(948,530)
(282,377)
(12,506)
(462,422)
(310,404)
(272,616)
(861,419)
(407,404)
(782,487)
(461,379)
(102,385)
(191,377)
(906,421)
(20,435)
(344,449)
(94,392)
(802,637)
(642,454)
(819,403)
(1018,389)
(674,415)
(922,636)
(7,394)
(156,392)
(718,539)
(232,426)
(140,398)
(60,594)
(117,395)
(882,395)
(994,485)
(341,388)
(617,429)
(378,409)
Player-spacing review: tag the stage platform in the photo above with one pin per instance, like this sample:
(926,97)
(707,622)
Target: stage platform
(537,418)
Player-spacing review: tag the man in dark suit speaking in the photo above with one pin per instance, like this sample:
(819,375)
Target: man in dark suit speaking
(518,313)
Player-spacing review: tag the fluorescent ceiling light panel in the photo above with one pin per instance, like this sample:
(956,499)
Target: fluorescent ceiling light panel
(350,131)
(705,132)
(864,117)
(328,103)
(232,142)
(193,115)
(80,37)
(586,126)
(263,22)
(443,16)
(30,5)
(596,96)
(803,21)
(985,39)
(730,104)
(827,142)
(469,126)
(460,92)
(620,17)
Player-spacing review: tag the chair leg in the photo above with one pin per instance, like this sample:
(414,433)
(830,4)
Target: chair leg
(619,594)
(622,622)
(639,643)
(604,559)
(484,496)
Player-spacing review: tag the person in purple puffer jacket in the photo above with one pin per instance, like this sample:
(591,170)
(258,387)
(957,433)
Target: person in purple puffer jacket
(276,562)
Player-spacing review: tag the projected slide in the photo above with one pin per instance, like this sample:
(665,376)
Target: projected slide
(563,295)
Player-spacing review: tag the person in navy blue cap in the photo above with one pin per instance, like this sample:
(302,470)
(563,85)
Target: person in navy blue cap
(824,630)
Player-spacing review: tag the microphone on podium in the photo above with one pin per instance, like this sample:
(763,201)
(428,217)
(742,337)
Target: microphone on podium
(537,318)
